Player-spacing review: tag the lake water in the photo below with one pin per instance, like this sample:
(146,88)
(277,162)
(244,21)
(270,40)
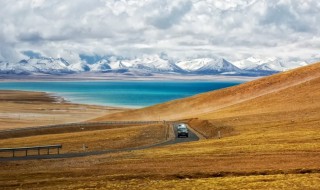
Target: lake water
(120,93)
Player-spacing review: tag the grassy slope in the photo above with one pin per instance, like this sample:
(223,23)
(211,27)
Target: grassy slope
(215,100)
(293,109)
(113,138)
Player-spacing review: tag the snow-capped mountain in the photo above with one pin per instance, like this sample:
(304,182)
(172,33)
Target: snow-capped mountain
(208,66)
(149,65)
(7,68)
(267,66)
(39,65)
(313,60)
(79,67)
(276,65)
(279,65)
(251,62)
(193,64)
(100,66)
(295,64)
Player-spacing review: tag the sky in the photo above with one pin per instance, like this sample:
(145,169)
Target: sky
(182,29)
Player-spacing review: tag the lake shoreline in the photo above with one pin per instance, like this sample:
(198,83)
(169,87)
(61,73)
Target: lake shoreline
(53,98)
(20,109)
(123,94)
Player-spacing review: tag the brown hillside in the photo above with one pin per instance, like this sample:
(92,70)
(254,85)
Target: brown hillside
(295,108)
(215,100)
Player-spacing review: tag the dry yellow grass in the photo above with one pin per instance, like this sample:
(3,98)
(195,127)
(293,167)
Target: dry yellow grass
(293,182)
(114,138)
(280,181)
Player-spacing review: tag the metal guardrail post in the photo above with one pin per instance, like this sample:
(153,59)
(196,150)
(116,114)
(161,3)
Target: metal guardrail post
(26,149)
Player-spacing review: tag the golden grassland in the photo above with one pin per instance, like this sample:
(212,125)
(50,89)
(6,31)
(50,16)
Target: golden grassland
(294,182)
(279,181)
(292,110)
(270,140)
(105,139)
(26,109)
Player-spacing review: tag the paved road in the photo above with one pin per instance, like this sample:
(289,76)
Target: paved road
(175,140)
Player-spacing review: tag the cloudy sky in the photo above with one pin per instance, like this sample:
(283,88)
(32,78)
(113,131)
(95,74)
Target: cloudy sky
(233,29)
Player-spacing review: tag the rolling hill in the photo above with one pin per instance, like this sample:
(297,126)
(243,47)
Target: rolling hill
(207,104)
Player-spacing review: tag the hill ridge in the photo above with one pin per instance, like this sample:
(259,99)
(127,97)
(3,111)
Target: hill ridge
(215,100)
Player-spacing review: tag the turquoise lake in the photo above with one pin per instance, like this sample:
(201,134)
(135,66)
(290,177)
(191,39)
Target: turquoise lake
(120,93)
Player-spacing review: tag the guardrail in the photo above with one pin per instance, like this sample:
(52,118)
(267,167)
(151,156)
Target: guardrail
(47,147)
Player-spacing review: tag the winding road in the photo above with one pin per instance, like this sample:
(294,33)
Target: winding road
(170,141)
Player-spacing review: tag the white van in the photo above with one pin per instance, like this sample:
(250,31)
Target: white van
(182,130)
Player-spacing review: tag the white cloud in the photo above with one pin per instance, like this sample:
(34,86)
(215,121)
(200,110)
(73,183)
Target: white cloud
(168,14)
(233,29)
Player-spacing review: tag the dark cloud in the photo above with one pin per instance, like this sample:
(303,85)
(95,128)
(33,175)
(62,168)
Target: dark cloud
(32,37)
(168,17)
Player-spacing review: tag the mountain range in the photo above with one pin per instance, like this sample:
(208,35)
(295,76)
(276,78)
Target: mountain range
(148,65)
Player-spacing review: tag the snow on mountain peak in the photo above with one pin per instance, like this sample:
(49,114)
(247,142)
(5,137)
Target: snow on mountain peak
(253,59)
(79,67)
(193,64)
(276,65)
(207,65)
(149,64)
(38,65)
(100,66)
